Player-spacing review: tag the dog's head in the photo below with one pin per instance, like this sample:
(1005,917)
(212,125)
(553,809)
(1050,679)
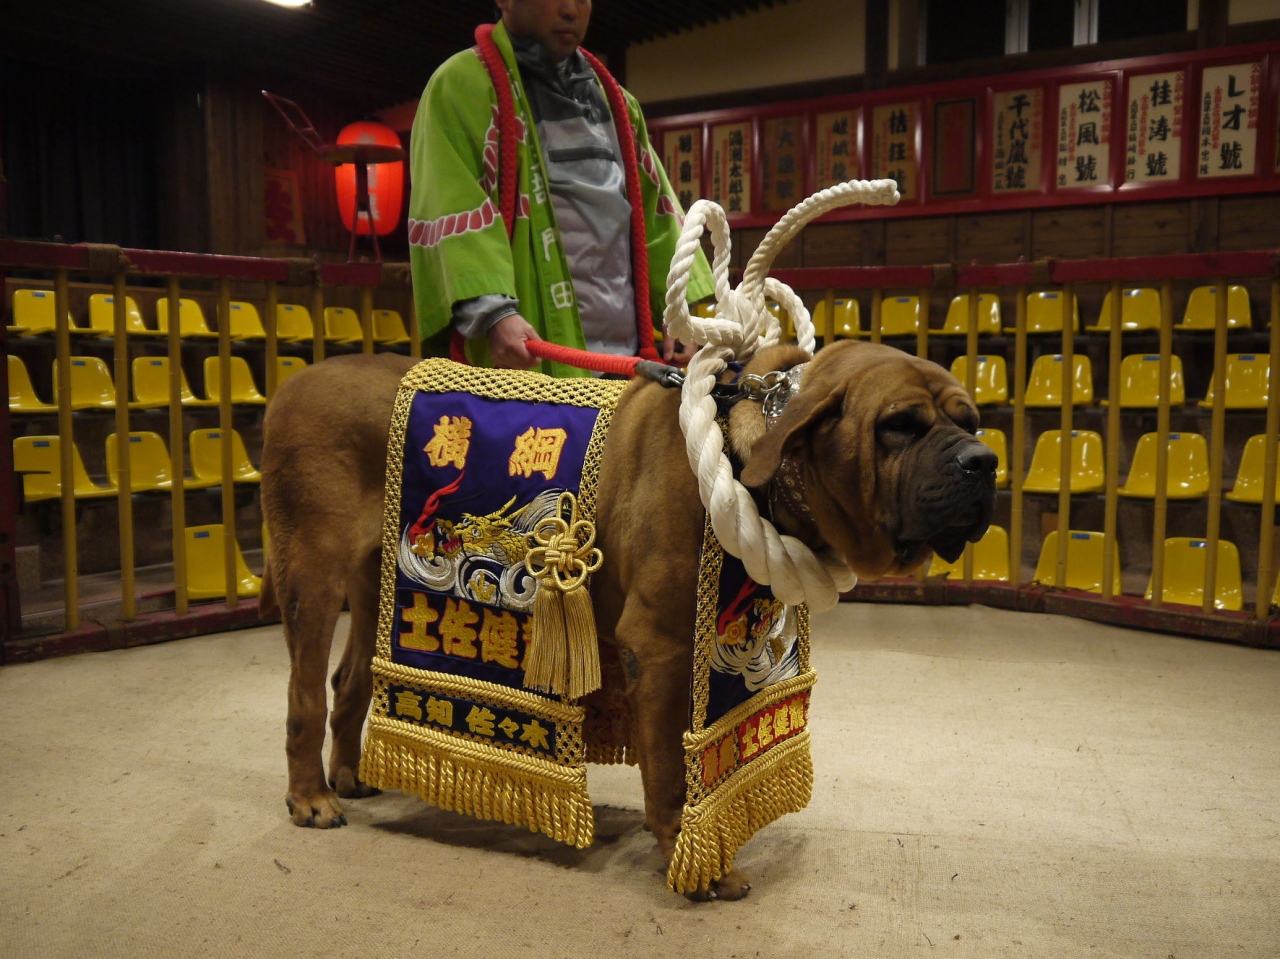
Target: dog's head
(883,441)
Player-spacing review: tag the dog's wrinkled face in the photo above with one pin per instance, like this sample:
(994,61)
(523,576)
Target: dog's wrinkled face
(892,471)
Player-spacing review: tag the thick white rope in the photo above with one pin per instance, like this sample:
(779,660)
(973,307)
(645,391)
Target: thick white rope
(742,325)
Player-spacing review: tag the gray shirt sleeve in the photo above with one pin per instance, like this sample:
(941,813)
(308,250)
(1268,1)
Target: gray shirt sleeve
(476,317)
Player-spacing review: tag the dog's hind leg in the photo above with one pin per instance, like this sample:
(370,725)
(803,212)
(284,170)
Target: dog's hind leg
(353,682)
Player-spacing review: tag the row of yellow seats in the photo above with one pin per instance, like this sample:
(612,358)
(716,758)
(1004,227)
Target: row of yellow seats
(33,314)
(38,460)
(1248,378)
(93,388)
(1187,475)
(1139,310)
(1184,564)
(206,567)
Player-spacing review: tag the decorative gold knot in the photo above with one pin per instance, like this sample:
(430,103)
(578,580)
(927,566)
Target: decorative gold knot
(566,552)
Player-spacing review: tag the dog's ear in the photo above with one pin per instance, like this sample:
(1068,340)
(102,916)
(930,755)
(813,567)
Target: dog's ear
(805,412)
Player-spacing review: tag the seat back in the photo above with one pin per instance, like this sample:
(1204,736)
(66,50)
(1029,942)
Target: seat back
(1248,376)
(151,382)
(847,318)
(1202,309)
(206,571)
(1085,553)
(1140,381)
(1184,566)
(33,310)
(1248,486)
(148,462)
(245,322)
(957,322)
(39,458)
(1139,310)
(243,388)
(900,316)
(1044,385)
(1188,473)
(990,558)
(991,377)
(102,315)
(342,325)
(1044,313)
(293,322)
(995,440)
(1088,474)
(206,457)
(286,366)
(91,385)
(388,327)
(191,321)
(22,394)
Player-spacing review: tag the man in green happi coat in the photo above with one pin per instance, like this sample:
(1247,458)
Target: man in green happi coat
(566,273)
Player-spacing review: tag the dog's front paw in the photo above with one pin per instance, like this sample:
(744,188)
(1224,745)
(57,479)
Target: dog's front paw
(321,810)
(732,885)
(349,786)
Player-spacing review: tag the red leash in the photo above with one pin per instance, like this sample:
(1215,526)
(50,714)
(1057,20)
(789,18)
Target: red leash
(508,159)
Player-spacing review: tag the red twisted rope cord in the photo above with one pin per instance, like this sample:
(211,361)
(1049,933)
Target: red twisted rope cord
(508,195)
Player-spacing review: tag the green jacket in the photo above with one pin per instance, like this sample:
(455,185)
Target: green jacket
(458,244)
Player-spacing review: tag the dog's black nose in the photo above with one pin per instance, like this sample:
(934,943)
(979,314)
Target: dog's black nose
(977,458)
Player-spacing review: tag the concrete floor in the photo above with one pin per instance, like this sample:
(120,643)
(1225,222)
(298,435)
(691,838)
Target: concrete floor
(988,784)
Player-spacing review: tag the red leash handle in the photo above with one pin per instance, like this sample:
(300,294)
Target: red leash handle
(598,362)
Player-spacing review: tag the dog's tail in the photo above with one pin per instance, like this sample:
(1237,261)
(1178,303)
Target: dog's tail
(268,606)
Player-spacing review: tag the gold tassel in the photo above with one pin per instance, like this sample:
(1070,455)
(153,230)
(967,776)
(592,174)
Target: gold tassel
(563,656)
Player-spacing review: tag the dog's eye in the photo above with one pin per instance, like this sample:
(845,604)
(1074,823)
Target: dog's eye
(903,427)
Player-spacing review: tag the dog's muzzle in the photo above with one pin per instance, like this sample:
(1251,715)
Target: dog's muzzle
(953,506)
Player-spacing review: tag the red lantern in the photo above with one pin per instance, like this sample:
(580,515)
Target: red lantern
(386,180)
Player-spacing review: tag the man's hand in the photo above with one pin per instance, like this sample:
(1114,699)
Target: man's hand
(506,343)
(674,351)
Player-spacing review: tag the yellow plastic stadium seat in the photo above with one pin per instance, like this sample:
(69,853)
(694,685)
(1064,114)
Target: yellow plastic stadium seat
(996,441)
(206,458)
(1087,472)
(151,385)
(388,328)
(705,309)
(1139,310)
(900,316)
(206,571)
(39,459)
(1247,377)
(991,382)
(245,322)
(1140,381)
(990,559)
(1085,552)
(22,395)
(286,366)
(1044,386)
(1044,313)
(33,312)
(191,321)
(293,322)
(342,325)
(957,322)
(91,385)
(1184,565)
(243,390)
(847,314)
(103,319)
(148,462)
(1248,487)
(1188,476)
(1202,309)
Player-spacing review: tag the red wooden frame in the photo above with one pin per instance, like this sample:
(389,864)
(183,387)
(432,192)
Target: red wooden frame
(1266,177)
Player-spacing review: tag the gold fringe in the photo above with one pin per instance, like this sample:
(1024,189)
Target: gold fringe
(545,660)
(712,831)
(477,780)
(583,646)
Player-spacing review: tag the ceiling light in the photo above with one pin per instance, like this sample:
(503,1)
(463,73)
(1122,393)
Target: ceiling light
(291,3)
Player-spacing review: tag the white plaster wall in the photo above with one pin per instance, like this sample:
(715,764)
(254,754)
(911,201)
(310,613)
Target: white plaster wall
(787,43)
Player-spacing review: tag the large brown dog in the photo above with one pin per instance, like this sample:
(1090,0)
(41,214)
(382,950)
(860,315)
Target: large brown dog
(891,472)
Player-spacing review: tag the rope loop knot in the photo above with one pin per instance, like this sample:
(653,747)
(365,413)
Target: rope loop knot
(566,552)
